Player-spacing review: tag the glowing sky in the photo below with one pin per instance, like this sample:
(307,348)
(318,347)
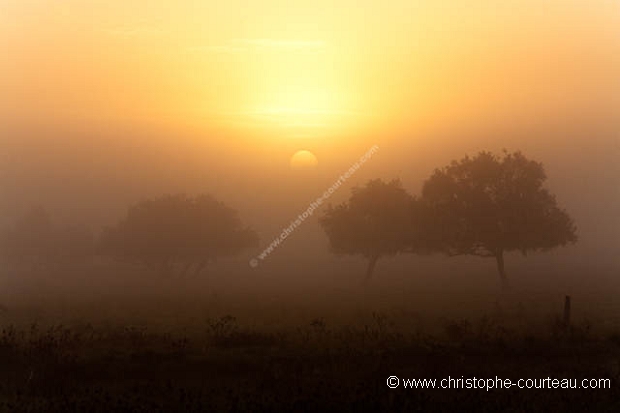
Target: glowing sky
(104,102)
(300,69)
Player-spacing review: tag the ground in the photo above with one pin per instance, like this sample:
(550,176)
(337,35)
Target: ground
(233,362)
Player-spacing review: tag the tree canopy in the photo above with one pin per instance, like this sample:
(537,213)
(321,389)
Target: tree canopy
(35,240)
(488,205)
(177,229)
(376,221)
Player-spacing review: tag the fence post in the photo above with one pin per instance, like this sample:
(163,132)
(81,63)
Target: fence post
(567,311)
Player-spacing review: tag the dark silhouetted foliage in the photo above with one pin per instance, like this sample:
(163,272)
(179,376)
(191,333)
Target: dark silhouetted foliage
(35,240)
(178,230)
(376,221)
(488,205)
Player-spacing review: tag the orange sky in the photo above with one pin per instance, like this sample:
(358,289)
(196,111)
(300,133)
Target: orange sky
(304,70)
(235,88)
(105,102)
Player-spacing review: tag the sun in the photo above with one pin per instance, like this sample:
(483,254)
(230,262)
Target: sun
(303,160)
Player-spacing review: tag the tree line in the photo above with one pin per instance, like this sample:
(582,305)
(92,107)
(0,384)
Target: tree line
(486,206)
(483,206)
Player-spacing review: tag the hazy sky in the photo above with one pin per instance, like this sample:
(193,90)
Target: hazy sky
(302,69)
(104,102)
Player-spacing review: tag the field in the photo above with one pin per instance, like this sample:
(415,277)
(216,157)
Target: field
(187,353)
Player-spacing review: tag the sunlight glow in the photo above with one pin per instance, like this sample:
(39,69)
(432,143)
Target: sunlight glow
(303,160)
(272,70)
(302,106)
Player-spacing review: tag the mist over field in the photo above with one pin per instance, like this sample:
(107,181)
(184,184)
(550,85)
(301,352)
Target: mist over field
(309,193)
(89,178)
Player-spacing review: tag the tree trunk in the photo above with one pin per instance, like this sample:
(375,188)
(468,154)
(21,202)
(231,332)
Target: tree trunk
(499,258)
(372,261)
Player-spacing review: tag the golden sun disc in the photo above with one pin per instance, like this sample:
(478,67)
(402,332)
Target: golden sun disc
(303,159)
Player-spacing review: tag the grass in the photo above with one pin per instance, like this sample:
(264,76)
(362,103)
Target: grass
(319,346)
(226,365)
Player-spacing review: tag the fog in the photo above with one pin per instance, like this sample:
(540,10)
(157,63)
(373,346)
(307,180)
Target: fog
(99,113)
(89,174)
(265,205)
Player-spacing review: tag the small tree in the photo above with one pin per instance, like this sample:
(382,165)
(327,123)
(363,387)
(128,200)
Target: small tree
(488,205)
(36,241)
(178,230)
(29,239)
(375,222)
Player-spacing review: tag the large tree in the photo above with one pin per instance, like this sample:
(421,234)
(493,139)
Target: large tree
(376,221)
(488,205)
(178,231)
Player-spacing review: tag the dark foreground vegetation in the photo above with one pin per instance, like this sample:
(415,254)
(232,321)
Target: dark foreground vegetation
(228,366)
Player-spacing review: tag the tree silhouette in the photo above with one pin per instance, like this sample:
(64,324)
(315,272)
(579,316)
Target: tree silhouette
(30,238)
(178,230)
(376,221)
(487,205)
(73,242)
(34,239)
